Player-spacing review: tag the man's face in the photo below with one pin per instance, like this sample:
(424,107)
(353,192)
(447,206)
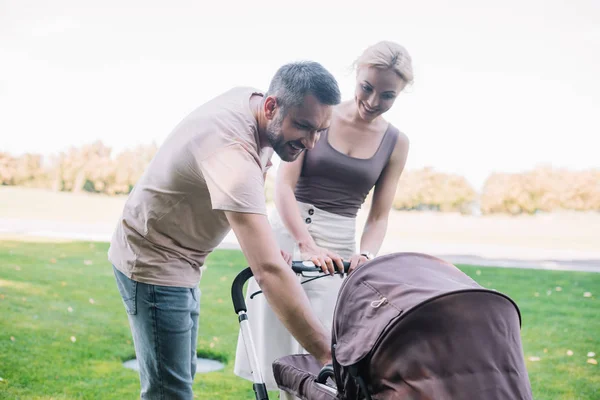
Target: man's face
(299,129)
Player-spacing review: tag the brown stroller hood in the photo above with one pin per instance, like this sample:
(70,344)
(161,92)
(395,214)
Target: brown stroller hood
(412,326)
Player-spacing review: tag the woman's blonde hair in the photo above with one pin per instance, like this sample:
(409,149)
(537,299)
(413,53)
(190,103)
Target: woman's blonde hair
(386,54)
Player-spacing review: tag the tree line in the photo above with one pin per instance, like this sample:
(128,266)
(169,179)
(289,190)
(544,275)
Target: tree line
(92,168)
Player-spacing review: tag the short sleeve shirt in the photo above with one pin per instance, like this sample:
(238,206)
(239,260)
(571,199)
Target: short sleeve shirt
(210,163)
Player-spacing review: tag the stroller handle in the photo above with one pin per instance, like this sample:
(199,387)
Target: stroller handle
(309,266)
(237,287)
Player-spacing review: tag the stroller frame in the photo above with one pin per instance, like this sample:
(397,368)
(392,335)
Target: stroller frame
(239,305)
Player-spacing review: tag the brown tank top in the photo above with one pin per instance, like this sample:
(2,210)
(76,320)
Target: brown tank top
(337,183)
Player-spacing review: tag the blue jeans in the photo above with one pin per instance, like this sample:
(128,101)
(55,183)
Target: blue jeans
(164,325)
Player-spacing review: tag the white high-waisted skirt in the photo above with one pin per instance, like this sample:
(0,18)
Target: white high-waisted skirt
(272,340)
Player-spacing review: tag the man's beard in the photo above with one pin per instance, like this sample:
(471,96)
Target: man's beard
(277,141)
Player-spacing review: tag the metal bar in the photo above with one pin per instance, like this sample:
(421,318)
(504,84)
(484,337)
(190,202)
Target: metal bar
(250,349)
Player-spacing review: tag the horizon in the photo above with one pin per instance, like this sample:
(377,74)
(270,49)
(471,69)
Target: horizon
(497,89)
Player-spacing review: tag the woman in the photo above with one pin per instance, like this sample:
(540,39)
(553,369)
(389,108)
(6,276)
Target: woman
(318,196)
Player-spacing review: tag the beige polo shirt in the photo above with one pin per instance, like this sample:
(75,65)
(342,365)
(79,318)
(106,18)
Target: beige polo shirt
(174,217)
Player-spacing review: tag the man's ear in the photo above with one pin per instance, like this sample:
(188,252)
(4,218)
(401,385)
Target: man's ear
(270,106)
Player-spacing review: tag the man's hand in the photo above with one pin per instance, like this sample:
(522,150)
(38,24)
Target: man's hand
(322,258)
(287,257)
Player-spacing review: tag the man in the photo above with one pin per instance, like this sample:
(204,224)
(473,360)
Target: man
(208,178)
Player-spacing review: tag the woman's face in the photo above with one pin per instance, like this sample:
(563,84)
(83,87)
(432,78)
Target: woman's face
(376,91)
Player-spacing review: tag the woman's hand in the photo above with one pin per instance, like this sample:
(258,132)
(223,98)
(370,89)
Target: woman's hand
(322,258)
(355,261)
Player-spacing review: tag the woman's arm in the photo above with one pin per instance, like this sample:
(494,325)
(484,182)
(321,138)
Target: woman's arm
(383,198)
(285,201)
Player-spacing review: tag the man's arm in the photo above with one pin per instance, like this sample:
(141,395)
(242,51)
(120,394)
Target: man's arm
(279,284)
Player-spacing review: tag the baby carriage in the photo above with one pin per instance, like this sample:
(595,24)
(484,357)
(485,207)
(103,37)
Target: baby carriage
(407,326)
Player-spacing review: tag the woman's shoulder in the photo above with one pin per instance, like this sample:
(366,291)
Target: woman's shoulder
(401,140)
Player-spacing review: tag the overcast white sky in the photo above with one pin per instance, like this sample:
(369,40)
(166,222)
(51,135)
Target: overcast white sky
(499,86)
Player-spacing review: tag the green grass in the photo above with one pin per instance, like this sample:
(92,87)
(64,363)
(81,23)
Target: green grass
(38,359)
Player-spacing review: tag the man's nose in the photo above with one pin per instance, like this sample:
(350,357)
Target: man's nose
(310,141)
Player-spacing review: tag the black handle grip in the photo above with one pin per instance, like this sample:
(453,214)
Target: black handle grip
(326,373)
(309,266)
(237,290)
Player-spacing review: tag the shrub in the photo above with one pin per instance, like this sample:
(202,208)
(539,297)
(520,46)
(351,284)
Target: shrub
(25,170)
(541,189)
(426,189)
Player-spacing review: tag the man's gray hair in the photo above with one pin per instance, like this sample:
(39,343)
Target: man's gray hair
(293,81)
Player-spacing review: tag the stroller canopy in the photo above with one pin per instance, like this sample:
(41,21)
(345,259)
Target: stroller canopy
(418,327)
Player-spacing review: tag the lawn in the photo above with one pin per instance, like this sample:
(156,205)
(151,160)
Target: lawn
(64,332)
